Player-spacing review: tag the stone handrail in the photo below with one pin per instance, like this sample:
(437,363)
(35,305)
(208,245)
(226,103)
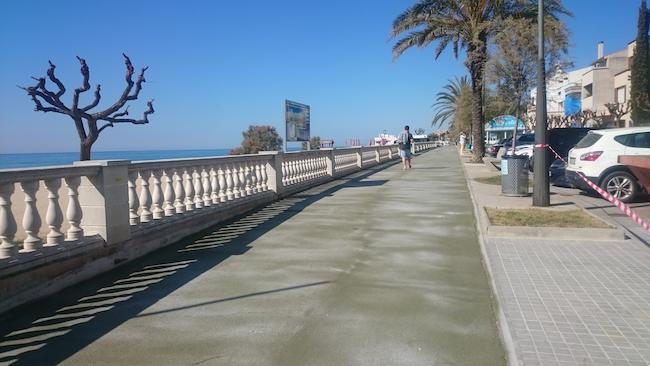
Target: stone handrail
(116,199)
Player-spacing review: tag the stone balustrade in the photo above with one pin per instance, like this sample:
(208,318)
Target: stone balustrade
(107,212)
(40,203)
(160,190)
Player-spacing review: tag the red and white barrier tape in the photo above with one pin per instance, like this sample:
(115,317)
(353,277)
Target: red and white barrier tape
(626,209)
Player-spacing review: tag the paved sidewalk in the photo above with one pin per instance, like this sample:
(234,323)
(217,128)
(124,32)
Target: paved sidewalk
(569,302)
(382,268)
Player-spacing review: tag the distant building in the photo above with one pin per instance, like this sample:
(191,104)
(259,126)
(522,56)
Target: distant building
(605,81)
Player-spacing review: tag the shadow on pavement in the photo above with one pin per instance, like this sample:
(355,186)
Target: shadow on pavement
(51,330)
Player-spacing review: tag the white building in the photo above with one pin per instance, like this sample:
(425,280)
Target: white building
(591,88)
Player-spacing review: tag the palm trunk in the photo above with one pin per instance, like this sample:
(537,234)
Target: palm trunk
(476,58)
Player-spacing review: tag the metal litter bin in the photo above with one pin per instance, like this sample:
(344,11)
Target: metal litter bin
(514,175)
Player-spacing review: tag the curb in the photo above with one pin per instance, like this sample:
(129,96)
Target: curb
(502,322)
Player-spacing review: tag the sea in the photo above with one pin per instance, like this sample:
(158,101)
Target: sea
(30,160)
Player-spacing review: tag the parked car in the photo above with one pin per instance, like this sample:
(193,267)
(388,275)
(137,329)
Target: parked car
(560,139)
(493,149)
(525,139)
(557,173)
(596,157)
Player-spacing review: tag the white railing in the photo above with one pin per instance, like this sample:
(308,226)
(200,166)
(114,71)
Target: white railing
(33,197)
(301,168)
(114,200)
(162,189)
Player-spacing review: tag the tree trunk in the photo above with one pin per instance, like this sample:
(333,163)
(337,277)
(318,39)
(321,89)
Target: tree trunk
(476,58)
(84,151)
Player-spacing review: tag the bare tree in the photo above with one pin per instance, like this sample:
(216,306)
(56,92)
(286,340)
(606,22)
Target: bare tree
(618,110)
(89,132)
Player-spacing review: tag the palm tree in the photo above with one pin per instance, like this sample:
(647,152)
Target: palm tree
(448,100)
(463,24)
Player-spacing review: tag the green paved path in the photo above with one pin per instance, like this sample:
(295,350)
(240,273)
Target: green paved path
(381,268)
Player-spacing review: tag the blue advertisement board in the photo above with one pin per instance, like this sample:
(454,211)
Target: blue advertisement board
(297,121)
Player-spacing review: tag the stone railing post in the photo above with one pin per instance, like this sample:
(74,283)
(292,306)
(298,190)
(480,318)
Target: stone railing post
(274,171)
(360,157)
(104,200)
(330,161)
(378,154)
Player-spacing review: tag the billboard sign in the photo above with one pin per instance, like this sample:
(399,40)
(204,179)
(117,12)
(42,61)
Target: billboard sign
(297,119)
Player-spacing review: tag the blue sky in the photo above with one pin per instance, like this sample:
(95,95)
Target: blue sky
(218,66)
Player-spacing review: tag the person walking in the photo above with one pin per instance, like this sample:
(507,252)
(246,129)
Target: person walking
(463,140)
(405,141)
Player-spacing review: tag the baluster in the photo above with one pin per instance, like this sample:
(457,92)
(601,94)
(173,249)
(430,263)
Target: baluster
(229,184)
(247,179)
(308,168)
(235,182)
(289,172)
(295,173)
(222,185)
(189,189)
(157,196)
(7,222)
(285,173)
(179,192)
(257,177)
(299,171)
(54,216)
(168,204)
(198,188)
(134,219)
(145,197)
(207,188)
(242,180)
(263,176)
(31,218)
(73,213)
(323,166)
(305,169)
(214,184)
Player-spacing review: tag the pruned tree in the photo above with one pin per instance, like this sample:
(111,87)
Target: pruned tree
(618,110)
(259,138)
(88,123)
(314,143)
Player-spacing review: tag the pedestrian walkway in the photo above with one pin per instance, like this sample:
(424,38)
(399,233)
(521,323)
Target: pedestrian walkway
(569,302)
(381,268)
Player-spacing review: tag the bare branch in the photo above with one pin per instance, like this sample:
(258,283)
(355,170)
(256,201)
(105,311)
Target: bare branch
(138,84)
(125,94)
(85,85)
(34,92)
(144,120)
(55,80)
(125,113)
(96,101)
(104,127)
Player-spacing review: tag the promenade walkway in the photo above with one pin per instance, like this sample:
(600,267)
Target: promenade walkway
(380,268)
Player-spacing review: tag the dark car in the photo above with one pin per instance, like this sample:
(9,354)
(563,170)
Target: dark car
(557,174)
(525,139)
(561,140)
(493,149)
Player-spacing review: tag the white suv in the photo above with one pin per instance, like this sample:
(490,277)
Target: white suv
(596,157)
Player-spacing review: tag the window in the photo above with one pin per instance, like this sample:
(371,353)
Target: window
(588,140)
(621,95)
(641,140)
(588,89)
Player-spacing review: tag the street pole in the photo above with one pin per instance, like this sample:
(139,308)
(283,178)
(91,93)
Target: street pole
(541,191)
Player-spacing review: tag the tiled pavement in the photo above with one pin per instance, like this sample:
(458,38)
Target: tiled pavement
(574,302)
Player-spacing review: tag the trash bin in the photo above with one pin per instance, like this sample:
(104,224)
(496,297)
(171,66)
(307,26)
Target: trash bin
(514,175)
